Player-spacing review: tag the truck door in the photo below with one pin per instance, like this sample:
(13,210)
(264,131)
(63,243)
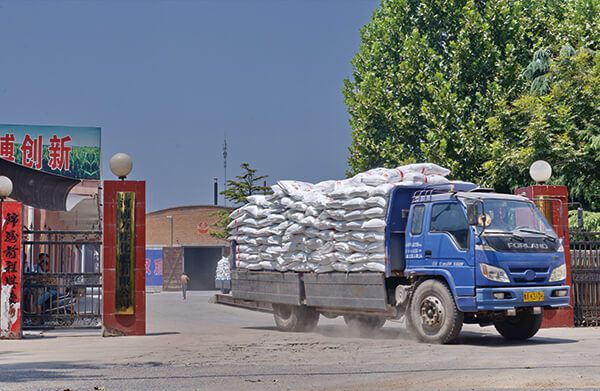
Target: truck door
(447,245)
(413,252)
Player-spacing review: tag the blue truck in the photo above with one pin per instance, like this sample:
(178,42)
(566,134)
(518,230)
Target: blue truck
(455,254)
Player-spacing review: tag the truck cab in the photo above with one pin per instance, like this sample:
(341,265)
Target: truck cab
(494,255)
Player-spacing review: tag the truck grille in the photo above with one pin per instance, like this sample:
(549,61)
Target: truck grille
(524,269)
(520,274)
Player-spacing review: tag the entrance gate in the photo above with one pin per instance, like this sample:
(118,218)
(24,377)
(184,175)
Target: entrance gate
(66,290)
(585,267)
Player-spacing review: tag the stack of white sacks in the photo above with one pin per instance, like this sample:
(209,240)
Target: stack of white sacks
(222,271)
(331,226)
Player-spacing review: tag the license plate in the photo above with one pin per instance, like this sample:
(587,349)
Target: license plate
(533,296)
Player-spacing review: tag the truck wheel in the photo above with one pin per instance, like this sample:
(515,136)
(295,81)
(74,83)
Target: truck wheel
(295,318)
(364,325)
(518,328)
(433,316)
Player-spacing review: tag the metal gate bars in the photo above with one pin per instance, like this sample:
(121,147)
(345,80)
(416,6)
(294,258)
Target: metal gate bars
(585,268)
(62,280)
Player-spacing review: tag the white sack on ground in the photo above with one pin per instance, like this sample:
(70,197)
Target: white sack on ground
(331,226)
(223,272)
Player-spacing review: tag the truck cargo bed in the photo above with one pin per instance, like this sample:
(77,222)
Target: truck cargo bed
(362,291)
(365,291)
(270,287)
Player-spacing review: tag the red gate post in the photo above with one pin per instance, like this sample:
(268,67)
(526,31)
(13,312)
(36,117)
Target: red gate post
(11,270)
(553,203)
(124,254)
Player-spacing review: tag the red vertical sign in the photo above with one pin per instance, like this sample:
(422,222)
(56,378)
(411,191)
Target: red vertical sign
(10,272)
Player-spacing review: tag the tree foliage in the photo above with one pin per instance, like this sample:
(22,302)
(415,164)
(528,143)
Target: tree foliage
(219,228)
(557,120)
(430,74)
(247,184)
(591,221)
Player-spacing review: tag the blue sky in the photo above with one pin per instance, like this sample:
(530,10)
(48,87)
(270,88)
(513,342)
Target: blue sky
(167,80)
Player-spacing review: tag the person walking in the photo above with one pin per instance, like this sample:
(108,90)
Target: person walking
(184,282)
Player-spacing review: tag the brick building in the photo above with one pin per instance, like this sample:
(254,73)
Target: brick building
(192,249)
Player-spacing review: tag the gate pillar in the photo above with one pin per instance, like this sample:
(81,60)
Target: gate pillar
(124,258)
(553,203)
(11,270)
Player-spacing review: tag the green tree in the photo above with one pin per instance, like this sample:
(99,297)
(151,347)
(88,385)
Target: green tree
(591,221)
(557,119)
(430,73)
(247,184)
(219,228)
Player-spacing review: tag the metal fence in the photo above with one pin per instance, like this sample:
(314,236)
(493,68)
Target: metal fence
(585,267)
(62,283)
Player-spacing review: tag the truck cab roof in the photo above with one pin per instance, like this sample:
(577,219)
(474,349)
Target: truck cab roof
(443,192)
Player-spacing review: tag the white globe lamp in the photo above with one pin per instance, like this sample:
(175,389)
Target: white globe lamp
(540,171)
(121,165)
(6,187)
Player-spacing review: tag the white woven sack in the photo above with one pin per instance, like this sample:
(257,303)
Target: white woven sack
(260,200)
(354,203)
(374,224)
(373,202)
(373,212)
(424,168)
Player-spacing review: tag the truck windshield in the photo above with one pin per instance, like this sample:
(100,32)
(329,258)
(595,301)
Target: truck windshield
(511,216)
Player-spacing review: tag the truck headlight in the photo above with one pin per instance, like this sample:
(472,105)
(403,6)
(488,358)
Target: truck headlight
(559,273)
(493,273)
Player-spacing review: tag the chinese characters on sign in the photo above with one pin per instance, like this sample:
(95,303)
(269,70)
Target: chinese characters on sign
(125,262)
(154,267)
(10,271)
(32,151)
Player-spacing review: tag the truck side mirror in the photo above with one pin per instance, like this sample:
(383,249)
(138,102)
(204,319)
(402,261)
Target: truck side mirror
(472,214)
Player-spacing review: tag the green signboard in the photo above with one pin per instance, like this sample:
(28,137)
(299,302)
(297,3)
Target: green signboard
(64,150)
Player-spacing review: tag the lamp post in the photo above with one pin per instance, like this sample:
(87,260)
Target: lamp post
(552,201)
(6,187)
(540,171)
(124,263)
(171,218)
(121,165)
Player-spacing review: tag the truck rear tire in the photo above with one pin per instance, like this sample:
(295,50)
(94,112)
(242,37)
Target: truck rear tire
(295,318)
(521,327)
(364,325)
(432,314)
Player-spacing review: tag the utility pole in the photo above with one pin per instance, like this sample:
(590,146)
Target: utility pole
(224,168)
(216,191)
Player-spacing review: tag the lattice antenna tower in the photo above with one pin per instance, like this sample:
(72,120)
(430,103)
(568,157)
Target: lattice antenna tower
(224,168)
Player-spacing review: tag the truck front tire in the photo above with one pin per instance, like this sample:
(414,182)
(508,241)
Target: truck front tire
(433,315)
(521,327)
(362,325)
(295,318)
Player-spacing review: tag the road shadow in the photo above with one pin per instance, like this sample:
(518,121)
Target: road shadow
(345,332)
(334,331)
(38,336)
(162,333)
(260,328)
(63,370)
(400,333)
(497,341)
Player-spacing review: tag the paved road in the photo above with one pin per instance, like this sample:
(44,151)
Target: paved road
(194,345)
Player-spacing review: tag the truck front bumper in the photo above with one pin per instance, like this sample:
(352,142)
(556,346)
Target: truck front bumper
(490,299)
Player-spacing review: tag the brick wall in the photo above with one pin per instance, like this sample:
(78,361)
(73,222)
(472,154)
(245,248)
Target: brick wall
(191,225)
